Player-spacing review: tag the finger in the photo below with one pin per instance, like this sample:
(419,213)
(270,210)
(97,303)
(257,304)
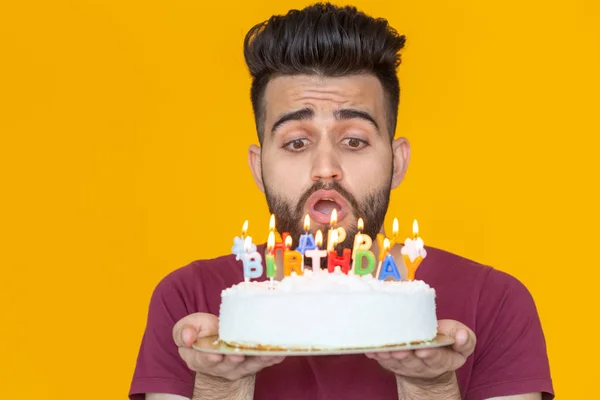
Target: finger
(254,364)
(193,326)
(441,359)
(464,338)
(383,355)
(400,355)
(233,360)
(464,342)
(199,362)
(271,359)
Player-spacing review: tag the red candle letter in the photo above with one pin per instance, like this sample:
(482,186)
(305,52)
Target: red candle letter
(333,260)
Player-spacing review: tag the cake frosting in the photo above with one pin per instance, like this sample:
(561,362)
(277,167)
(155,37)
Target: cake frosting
(327,311)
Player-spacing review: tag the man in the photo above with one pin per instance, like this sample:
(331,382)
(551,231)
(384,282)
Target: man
(325,95)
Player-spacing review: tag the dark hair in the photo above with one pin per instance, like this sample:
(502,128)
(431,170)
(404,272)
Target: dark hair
(327,40)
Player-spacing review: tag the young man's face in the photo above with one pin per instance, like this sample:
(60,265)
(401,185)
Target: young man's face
(326,145)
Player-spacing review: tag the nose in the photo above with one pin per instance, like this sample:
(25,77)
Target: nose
(326,164)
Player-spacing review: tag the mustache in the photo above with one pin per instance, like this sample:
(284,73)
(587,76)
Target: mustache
(322,185)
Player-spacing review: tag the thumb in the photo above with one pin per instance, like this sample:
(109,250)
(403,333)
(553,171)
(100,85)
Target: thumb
(464,338)
(194,326)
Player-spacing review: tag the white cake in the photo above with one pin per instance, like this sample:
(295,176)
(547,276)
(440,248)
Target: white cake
(327,311)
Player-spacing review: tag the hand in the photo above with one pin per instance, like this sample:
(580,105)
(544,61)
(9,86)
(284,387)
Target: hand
(229,367)
(431,364)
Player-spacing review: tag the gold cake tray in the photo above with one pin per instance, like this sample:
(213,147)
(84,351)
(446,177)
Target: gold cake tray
(212,344)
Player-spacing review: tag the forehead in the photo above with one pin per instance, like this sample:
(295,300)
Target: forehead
(323,94)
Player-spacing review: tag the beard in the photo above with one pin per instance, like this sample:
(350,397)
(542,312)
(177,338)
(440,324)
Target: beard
(289,217)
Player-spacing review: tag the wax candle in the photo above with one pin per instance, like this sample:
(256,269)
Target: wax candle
(281,245)
(252,262)
(361,242)
(332,223)
(270,256)
(334,260)
(292,259)
(413,252)
(317,254)
(307,241)
(389,267)
(239,243)
(358,267)
(381,238)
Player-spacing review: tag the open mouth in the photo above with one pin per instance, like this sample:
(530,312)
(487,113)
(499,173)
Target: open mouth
(321,204)
(326,206)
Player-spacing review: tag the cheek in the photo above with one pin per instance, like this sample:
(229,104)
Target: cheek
(368,173)
(284,178)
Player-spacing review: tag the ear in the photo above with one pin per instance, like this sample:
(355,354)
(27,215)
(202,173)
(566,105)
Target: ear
(256,165)
(401,155)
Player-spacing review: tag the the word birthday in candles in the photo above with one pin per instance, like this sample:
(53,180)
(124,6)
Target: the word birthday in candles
(360,260)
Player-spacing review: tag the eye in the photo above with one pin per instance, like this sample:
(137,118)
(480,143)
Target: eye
(296,145)
(355,143)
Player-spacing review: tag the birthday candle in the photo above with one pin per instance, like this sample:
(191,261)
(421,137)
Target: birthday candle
(316,254)
(389,267)
(252,262)
(292,259)
(381,238)
(332,223)
(413,252)
(270,257)
(239,243)
(307,241)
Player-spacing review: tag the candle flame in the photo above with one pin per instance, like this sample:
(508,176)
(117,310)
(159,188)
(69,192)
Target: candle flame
(247,243)
(245,228)
(334,237)
(361,224)
(272,222)
(319,238)
(306,223)
(415,229)
(271,241)
(386,244)
(333,219)
(288,242)
(395,228)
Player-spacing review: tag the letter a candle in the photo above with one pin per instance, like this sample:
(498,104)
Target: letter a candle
(413,252)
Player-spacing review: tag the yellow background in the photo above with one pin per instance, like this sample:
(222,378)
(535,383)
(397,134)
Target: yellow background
(124,128)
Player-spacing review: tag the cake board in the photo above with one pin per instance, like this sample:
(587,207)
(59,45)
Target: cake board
(211,344)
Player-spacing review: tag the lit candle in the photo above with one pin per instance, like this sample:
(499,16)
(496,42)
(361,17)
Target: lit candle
(292,259)
(358,267)
(361,242)
(332,223)
(389,267)
(380,239)
(239,243)
(270,257)
(252,261)
(413,252)
(334,260)
(307,241)
(317,254)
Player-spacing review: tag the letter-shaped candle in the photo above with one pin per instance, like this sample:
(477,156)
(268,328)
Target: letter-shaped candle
(317,253)
(252,263)
(389,267)
(270,256)
(307,241)
(292,259)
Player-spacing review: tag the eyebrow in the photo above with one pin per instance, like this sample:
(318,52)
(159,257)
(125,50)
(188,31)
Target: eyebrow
(351,113)
(308,113)
(298,115)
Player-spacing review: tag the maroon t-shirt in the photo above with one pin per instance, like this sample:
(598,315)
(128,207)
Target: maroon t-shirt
(510,355)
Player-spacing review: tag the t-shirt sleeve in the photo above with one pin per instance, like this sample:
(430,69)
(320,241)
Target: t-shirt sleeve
(159,367)
(510,355)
